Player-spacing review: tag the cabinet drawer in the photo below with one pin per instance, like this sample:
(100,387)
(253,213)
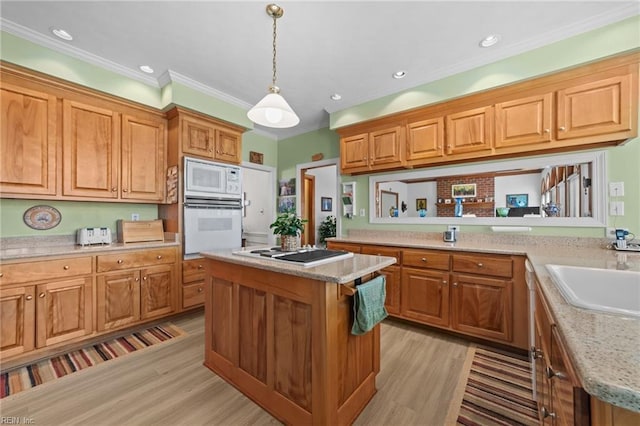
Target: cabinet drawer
(193,295)
(44,270)
(192,271)
(382,251)
(485,265)
(353,248)
(115,262)
(425,259)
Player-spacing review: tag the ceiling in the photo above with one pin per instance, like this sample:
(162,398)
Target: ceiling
(327,47)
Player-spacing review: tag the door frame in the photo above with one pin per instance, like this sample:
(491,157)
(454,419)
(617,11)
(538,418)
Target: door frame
(300,170)
(271,210)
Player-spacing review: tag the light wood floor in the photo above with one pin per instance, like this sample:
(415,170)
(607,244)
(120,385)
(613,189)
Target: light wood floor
(168,385)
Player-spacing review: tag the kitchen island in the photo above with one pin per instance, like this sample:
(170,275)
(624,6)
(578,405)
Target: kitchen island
(280,333)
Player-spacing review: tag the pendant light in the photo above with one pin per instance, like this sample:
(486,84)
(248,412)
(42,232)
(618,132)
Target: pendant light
(273,110)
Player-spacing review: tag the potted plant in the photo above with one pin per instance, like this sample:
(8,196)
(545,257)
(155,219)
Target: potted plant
(288,226)
(327,228)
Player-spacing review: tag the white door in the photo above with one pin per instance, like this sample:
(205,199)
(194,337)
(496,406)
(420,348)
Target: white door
(259,187)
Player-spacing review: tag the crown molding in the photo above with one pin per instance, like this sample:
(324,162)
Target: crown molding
(67,49)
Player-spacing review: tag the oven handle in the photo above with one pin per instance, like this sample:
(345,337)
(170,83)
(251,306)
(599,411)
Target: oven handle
(213,206)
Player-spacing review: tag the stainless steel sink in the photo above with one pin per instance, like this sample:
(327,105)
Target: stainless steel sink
(606,290)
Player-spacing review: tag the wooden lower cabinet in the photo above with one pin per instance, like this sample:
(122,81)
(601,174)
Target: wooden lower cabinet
(392,276)
(482,306)
(425,296)
(192,283)
(36,316)
(127,297)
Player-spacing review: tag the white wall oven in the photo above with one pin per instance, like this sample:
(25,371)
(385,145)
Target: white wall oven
(212,206)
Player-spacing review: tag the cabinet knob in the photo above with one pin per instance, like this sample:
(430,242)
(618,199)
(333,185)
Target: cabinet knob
(546,413)
(29,297)
(124,190)
(159,257)
(455,284)
(480,265)
(114,189)
(562,128)
(1,275)
(144,278)
(424,259)
(200,289)
(200,266)
(65,267)
(41,295)
(120,261)
(137,279)
(444,282)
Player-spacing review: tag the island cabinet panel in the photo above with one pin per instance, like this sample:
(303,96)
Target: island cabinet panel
(27,141)
(284,341)
(253,338)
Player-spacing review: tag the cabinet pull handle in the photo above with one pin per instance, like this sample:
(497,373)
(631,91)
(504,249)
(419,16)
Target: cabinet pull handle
(535,353)
(480,265)
(65,267)
(120,261)
(159,257)
(551,374)
(562,128)
(546,413)
(41,295)
(29,297)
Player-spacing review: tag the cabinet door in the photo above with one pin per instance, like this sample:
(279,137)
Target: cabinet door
(156,292)
(597,108)
(525,121)
(543,387)
(425,140)
(482,306)
(91,151)
(198,138)
(118,299)
(386,148)
(143,159)
(425,296)
(228,146)
(27,141)
(470,131)
(17,320)
(354,153)
(392,277)
(64,310)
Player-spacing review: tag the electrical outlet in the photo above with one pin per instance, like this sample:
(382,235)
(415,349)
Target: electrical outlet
(135,216)
(455,228)
(611,232)
(363,212)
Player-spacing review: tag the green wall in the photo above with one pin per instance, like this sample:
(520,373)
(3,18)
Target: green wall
(75,214)
(252,141)
(299,150)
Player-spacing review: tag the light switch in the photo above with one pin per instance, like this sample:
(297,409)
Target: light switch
(363,212)
(616,208)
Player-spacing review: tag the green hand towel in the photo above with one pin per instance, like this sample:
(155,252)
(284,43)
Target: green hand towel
(368,305)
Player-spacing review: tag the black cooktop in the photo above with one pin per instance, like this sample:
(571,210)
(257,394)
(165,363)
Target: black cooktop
(301,256)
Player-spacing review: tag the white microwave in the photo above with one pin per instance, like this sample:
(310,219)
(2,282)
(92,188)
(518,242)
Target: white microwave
(210,180)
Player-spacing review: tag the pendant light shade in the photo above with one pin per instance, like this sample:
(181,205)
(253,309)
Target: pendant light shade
(273,110)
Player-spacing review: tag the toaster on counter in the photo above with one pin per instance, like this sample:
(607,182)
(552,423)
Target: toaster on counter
(88,236)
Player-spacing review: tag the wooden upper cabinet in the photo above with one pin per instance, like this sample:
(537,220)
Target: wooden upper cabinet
(354,153)
(386,147)
(606,106)
(91,151)
(208,140)
(524,122)
(143,158)
(470,131)
(425,140)
(27,141)
(228,146)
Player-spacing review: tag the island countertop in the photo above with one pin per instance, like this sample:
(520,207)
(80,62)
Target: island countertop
(603,347)
(338,271)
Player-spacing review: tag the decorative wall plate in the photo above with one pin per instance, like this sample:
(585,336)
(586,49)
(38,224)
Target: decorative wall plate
(42,217)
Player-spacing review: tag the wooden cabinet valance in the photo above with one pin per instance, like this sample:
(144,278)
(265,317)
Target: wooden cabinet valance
(590,105)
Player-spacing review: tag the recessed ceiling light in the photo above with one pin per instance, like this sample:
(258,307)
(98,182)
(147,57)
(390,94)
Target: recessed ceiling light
(490,40)
(336,96)
(399,74)
(59,32)
(146,68)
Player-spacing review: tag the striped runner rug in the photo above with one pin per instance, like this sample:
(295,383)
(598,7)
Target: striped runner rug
(27,377)
(498,391)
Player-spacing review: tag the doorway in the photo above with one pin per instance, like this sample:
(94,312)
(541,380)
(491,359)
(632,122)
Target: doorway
(318,189)
(259,210)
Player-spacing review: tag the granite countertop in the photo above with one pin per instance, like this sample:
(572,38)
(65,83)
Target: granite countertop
(338,271)
(24,248)
(605,348)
